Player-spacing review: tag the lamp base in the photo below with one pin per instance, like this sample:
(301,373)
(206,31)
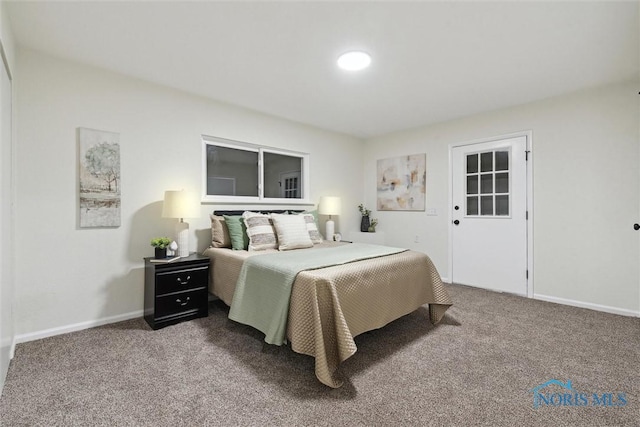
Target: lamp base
(182,239)
(329,229)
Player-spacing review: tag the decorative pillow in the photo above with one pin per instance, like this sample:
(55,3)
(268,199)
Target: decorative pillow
(312,228)
(219,233)
(260,230)
(292,232)
(315,215)
(237,232)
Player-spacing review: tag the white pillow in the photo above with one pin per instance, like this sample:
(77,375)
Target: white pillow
(292,232)
(260,230)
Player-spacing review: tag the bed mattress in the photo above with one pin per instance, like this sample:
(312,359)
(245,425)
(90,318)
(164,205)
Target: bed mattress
(332,305)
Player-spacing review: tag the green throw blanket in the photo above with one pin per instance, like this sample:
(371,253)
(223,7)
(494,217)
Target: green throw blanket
(263,290)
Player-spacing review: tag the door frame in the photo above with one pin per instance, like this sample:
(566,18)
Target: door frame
(528,134)
(7,317)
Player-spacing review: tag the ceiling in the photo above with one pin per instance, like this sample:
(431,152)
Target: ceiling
(432,61)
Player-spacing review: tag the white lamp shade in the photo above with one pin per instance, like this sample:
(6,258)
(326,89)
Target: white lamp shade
(329,205)
(180,204)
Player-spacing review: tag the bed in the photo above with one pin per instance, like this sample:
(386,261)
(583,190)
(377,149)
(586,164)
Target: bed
(331,305)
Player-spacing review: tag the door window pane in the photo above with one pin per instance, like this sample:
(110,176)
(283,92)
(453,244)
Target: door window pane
(472,163)
(291,188)
(472,184)
(486,162)
(487,175)
(502,205)
(472,205)
(502,182)
(502,160)
(486,205)
(486,183)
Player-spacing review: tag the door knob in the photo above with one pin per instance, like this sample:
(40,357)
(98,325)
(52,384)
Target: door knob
(636,226)
(456,222)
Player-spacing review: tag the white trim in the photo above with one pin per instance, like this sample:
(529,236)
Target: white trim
(528,134)
(5,61)
(32,336)
(588,305)
(12,351)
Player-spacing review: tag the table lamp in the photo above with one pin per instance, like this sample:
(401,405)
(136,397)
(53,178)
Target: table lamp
(181,204)
(329,205)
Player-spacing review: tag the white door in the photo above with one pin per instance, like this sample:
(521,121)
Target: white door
(489,215)
(290,185)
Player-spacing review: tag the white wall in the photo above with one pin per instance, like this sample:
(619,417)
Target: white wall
(6,35)
(68,277)
(6,197)
(586,192)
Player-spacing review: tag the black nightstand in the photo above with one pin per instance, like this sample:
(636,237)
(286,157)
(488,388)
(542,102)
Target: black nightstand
(176,291)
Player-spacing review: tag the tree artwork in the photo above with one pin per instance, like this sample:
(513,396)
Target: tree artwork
(99,197)
(103,162)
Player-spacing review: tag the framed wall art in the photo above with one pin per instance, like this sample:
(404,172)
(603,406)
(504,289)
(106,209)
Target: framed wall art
(99,178)
(402,183)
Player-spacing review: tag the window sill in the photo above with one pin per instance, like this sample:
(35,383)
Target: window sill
(260,202)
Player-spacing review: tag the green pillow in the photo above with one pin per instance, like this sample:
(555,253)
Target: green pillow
(237,232)
(313,212)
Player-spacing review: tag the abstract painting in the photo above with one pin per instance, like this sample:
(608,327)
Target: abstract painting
(99,176)
(402,183)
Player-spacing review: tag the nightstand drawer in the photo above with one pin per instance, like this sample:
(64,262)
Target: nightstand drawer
(172,304)
(181,280)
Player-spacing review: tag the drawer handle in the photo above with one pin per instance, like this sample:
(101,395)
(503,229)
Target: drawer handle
(179,280)
(179,301)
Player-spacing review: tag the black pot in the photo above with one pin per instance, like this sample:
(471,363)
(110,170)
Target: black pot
(364,224)
(161,253)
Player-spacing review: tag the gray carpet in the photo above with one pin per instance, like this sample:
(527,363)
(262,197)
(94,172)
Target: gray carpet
(475,368)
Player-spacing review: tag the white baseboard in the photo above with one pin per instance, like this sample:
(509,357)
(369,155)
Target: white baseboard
(445,280)
(32,336)
(589,305)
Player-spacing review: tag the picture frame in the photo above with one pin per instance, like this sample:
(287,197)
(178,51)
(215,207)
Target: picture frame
(99,184)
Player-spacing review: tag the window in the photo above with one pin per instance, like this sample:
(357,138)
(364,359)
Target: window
(487,185)
(242,172)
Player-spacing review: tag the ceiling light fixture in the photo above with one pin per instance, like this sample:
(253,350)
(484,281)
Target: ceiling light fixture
(354,61)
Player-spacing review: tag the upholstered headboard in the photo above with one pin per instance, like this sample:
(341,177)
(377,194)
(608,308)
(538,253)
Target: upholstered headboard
(236,212)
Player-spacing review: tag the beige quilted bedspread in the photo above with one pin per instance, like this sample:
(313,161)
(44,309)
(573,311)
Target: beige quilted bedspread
(332,305)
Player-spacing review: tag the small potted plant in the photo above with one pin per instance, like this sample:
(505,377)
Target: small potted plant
(161,244)
(372,226)
(364,223)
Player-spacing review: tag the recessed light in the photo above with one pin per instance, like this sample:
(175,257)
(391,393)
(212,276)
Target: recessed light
(354,61)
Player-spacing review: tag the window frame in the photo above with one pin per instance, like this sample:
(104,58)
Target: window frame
(261,150)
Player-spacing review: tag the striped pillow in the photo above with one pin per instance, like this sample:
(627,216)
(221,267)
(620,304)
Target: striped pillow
(292,232)
(312,228)
(260,230)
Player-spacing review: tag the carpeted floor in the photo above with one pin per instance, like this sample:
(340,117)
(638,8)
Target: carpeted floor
(475,368)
